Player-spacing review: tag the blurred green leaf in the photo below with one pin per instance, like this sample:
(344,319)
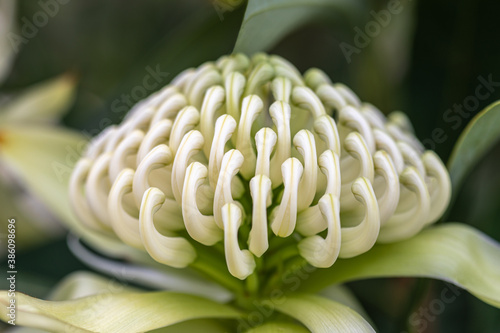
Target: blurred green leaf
(197,325)
(278,327)
(43,157)
(123,312)
(83,284)
(44,102)
(475,141)
(41,103)
(344,295)
(322,315)
(7,20)
(454,253)
(266,22)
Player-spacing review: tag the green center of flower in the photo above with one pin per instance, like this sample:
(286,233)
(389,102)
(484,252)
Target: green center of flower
(250,154)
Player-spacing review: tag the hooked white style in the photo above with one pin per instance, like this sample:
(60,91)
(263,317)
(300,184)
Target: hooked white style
(240,152)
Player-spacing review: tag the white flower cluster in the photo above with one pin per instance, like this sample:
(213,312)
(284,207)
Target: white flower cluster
(251,144)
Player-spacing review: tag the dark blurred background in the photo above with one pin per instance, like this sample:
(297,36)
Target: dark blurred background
(428,62)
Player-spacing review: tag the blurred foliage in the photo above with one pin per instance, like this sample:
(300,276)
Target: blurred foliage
(427,60)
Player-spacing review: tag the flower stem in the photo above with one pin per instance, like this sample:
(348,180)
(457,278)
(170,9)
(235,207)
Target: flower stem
(282,255)
(210,266)
(252,284)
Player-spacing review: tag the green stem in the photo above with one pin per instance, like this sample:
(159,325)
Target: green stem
(252,284)
(280,277)
(211,267)
(294,265)
(281,256)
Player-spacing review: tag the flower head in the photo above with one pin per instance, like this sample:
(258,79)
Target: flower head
(248,151)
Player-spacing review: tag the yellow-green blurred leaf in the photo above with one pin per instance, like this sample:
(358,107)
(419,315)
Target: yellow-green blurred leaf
(475,141)
(44,102)
(43,157)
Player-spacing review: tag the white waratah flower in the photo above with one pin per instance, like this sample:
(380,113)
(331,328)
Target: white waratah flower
(253,154)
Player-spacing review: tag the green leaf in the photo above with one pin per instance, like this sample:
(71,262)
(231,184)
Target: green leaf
(343,295)
(266,22)
(44,102)
(83,284)
(113,313)
(475,141)
(7,27)
(278,327)
(322,315)
(197,325)
(454,253)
